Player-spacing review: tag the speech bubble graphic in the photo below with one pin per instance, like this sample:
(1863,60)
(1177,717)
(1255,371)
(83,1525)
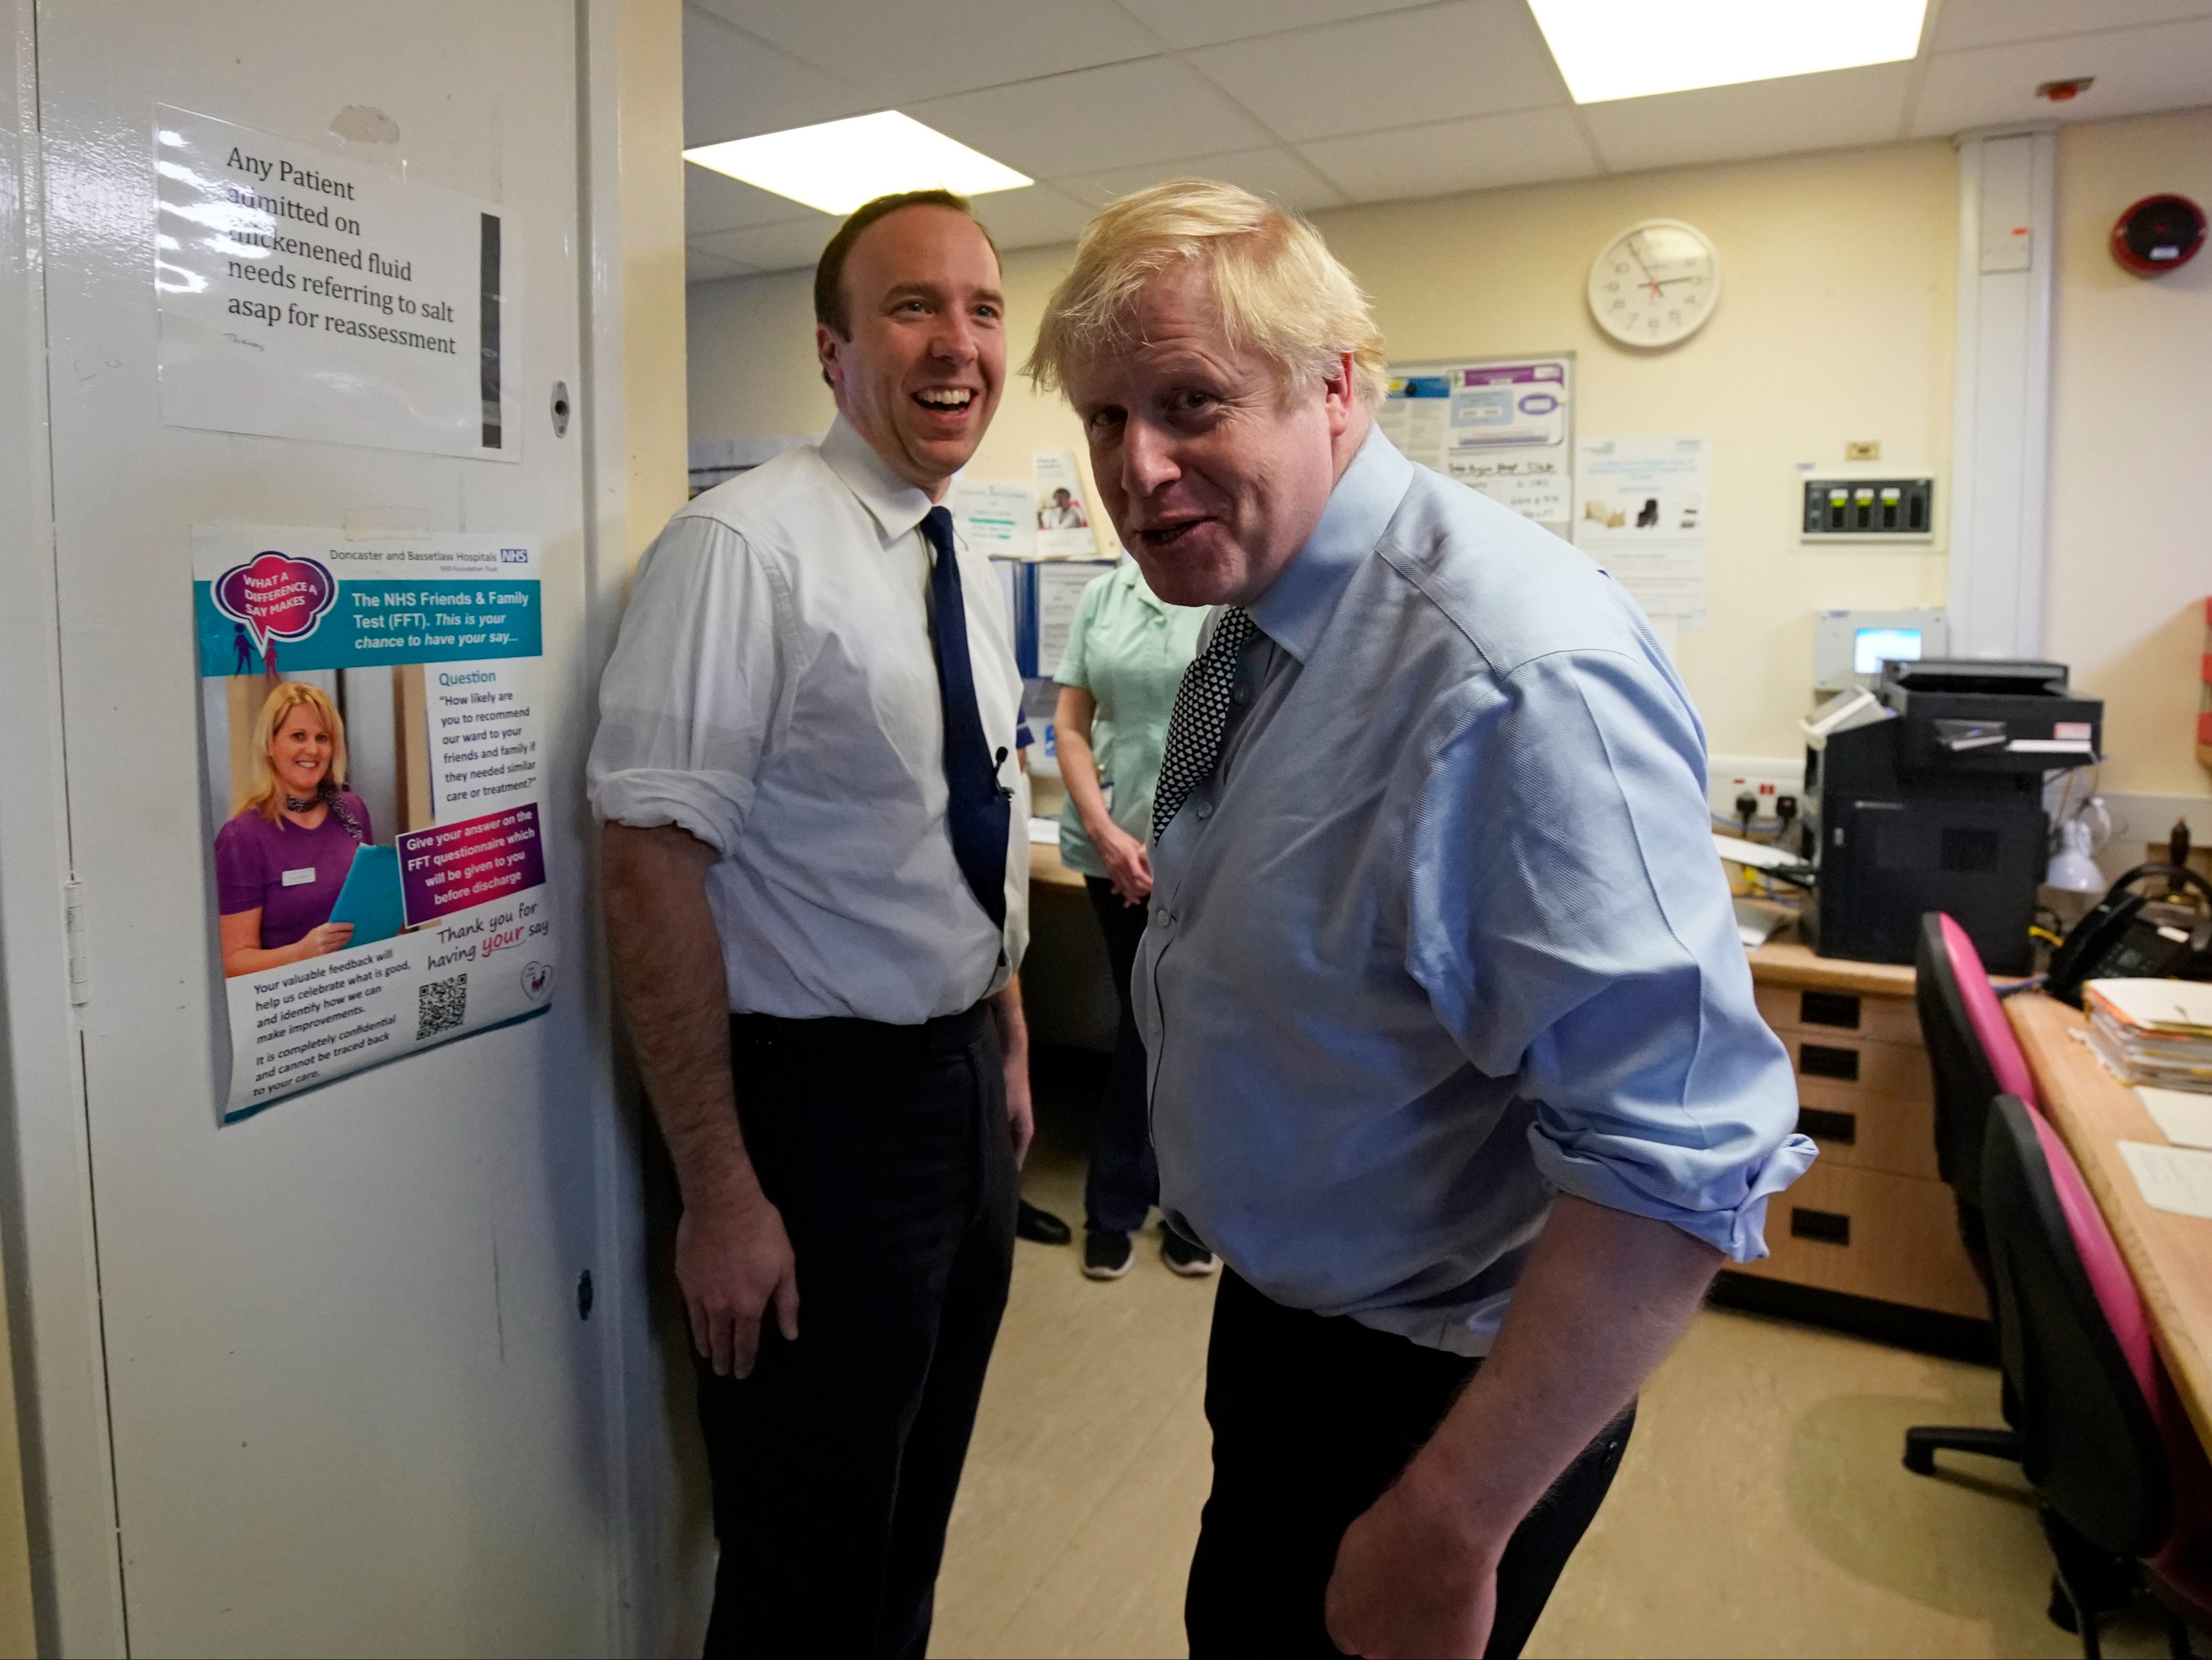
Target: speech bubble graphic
(276,596)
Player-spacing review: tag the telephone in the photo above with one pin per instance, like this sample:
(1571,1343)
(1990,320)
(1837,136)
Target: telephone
(2135,936)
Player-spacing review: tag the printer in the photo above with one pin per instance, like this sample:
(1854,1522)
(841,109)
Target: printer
(1926,794)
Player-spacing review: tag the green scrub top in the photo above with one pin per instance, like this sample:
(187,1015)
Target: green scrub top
(1127,648)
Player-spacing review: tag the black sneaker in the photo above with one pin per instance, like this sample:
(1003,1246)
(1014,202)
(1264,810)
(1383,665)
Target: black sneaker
(1192,1262)
(1041,1225)
(1106,1254)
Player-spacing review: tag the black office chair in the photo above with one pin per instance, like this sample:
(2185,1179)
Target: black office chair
(1946,965)
(2104,1467)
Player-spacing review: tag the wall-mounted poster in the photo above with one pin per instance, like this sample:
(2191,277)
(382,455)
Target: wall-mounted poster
(308,293)
(370,736)
(1504,428)
(1645,501)
(1063,516)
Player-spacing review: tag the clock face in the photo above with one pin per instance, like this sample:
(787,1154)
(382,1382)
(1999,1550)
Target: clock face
(1656,284)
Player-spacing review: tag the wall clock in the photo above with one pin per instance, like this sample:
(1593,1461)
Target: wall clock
(1656,284)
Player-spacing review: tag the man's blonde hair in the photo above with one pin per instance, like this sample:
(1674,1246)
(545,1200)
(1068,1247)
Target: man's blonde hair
(1278,289)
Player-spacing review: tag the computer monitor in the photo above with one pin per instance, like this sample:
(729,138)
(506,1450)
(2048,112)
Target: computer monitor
(1872,647)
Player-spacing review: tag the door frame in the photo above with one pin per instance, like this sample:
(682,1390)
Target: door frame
(49,1255)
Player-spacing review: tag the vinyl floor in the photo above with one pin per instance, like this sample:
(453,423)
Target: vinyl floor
(1761,1510)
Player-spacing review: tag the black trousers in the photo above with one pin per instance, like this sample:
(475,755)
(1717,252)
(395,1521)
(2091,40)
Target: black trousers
(1312,1419)
(836,1463)
(1123,1182)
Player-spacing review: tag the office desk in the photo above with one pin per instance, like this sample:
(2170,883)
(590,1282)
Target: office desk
(1046,868)
(2170,1256)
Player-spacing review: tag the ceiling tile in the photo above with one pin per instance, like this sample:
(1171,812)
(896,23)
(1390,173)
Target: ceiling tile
(770,247)
(705,268)
(1275,172)
(2168,66)
(977,42)
(1201,22)
(1031,218)
(734,87)
(1995,23)
(1758,118)
(1120,116)
(1524,147)
(1473,58)
(714,201)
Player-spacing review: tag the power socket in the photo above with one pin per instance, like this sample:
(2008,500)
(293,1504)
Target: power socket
(1766,780)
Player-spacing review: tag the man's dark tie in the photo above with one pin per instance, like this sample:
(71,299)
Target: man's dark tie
(977,810)
(1200,718)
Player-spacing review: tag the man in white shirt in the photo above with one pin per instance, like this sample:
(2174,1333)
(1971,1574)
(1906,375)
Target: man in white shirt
(816,893)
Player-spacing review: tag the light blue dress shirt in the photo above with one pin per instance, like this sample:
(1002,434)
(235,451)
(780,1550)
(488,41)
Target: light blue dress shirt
(1445,934)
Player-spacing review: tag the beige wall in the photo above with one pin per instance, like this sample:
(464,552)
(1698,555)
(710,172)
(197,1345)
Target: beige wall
(1835,324)
(654,356)
(2131,432)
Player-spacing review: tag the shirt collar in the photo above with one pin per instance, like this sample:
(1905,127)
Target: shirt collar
(896,506)
(1294,611)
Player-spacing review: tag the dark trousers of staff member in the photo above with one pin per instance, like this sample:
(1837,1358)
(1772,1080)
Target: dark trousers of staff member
(835,1464)
(1124,1179)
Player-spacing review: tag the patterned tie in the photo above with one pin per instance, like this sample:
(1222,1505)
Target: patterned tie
(977,809)
(1201,716)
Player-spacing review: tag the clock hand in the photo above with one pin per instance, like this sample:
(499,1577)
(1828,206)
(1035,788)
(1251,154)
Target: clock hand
(1646,270)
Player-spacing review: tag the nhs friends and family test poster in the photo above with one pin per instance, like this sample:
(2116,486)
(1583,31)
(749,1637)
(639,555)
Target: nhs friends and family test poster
(373,750)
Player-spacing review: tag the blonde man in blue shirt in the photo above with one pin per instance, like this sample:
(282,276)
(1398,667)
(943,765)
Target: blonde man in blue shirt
(1452,1051)
(1127,652)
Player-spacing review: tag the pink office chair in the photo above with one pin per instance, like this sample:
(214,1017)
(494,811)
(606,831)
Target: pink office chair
(2122,1480)
(1975,1058)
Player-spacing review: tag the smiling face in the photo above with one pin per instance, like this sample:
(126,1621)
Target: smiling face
(921,375)
(1212,473)
(299,750)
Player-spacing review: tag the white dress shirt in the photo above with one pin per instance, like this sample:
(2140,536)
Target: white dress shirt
(774,692)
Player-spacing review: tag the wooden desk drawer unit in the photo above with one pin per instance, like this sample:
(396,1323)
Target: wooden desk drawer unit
(1842,1014)
(1869,1233)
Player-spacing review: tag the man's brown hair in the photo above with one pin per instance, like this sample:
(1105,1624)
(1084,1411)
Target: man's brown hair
(830,271)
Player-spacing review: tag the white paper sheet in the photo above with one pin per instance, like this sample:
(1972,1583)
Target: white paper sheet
(307,292)
(996,519)
(2176,1179)
(2183,1117)
(1645,500)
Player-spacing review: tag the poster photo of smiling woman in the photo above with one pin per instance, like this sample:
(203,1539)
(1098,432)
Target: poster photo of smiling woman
(377,878)
(281,861)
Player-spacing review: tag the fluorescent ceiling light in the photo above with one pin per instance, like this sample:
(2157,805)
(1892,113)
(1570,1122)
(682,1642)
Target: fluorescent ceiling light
(1611,48)
(838,165)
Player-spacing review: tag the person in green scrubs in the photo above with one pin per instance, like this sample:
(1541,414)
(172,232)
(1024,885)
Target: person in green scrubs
(1127,650)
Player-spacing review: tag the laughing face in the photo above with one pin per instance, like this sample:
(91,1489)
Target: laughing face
(299,750)
(1213,472)
(921,374)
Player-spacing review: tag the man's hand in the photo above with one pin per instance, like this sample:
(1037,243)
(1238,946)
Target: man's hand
(733,1261)
(1412,1580)
(1128,862)
(1014,1041)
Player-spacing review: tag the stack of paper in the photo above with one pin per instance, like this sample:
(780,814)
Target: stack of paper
(2153,1031)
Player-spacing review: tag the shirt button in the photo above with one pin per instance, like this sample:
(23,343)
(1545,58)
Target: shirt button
(1206,809)
(1161,919)
(1240,696)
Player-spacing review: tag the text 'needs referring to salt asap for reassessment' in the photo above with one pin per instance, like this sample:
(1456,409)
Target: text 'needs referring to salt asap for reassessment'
(305,294)
(418,914)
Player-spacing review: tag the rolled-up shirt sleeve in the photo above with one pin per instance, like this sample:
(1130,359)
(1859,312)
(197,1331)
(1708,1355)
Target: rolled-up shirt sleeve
(1572,928)
(692,694)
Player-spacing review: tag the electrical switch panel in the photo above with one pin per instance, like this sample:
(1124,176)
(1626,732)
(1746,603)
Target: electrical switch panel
(1892,509)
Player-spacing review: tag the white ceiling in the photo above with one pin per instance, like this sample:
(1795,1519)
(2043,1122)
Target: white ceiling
(1321,103)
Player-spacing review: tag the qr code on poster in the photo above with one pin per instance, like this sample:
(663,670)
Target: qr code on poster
(441,1005)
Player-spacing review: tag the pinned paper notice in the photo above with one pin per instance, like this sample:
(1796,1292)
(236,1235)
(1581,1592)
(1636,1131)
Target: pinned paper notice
(2185,1116)
(2176,1179)
(1063,516)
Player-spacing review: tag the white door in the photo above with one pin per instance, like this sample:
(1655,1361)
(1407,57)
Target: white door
(355,1406)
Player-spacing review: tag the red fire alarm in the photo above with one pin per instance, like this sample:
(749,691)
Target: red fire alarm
(2159,233)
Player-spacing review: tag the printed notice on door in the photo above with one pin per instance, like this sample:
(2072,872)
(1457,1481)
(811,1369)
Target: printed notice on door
(370,735)
(305,294)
